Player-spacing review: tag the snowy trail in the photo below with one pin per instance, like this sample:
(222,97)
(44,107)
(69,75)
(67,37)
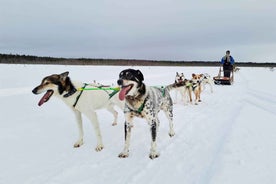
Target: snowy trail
(227,125)
(221,140)
(264,101)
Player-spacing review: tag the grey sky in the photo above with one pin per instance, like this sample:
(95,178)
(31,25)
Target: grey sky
(144,29)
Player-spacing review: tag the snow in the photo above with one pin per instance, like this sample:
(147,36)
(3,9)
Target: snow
(228,138)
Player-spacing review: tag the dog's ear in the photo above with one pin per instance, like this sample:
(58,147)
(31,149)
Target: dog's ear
(64,75)
(142,89)
(121,74)
(140,75)
(193,75)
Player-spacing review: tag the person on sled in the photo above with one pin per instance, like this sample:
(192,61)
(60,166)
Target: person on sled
(227,61)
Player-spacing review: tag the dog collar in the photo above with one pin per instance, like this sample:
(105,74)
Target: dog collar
(71,92)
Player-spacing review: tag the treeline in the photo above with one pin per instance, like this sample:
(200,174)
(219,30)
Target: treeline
(27,59)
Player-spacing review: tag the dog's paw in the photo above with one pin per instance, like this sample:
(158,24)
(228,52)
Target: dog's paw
(154,155)
(99,147)
(114,124)
(123,155)
(171,134)
(78,144)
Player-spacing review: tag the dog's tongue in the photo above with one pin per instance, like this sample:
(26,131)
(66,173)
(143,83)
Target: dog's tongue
(45,98)
(123,92)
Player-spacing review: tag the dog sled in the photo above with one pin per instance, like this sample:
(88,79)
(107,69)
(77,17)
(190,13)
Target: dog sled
(224,77)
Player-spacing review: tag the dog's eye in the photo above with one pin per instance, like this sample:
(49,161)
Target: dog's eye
(46,83)
(129,75)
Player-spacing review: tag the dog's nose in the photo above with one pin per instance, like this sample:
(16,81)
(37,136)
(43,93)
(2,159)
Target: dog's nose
(34,90)
(120,82)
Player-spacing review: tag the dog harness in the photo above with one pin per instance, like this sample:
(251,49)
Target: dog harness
(139,110)
(78,97)
(162,89)
(104,88)
(114,92)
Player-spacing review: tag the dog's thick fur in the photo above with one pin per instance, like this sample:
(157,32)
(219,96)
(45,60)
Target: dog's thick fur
(80,101)
(144,102)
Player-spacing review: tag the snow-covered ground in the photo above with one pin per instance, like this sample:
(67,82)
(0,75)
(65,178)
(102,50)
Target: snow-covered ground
(230,137)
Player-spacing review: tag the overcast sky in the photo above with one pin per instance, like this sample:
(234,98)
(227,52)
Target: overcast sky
(140,29)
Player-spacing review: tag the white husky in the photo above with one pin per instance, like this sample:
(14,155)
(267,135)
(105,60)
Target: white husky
(80,101)
(206,79)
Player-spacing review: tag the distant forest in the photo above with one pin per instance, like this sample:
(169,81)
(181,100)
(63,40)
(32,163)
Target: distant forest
(27,59)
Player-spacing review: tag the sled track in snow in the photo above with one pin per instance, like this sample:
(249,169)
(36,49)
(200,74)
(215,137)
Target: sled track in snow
(262,100)
(189,141)
(225,132)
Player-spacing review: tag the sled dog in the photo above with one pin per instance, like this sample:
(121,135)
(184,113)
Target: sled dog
(179,77)
(196,86)
(80,101)
(183,87)
(206,79)
(144,102)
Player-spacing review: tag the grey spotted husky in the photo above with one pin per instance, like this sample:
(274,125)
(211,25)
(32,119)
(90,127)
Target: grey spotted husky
(144,102)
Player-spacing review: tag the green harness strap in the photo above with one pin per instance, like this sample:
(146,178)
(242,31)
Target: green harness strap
(100,88)
(189,85)
(114,90)
(113,93)
(162,88)
(140,109)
